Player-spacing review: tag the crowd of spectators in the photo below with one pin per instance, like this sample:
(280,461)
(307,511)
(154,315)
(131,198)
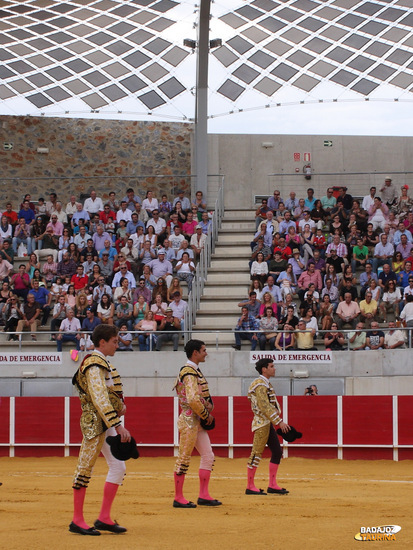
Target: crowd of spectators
(101,261)
(330,263)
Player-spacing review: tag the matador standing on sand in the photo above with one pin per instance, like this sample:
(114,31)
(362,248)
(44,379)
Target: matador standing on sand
(100,392)
(267,413)
(196,404)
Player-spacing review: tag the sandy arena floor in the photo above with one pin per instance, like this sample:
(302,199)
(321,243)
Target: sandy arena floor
(329,501)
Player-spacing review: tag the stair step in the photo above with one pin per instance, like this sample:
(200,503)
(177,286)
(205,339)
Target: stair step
(225,251)
(229,278)
(236,238)
(218,306)
(233,227)
(237,292)
(210,323)
(231,215)
(230,263)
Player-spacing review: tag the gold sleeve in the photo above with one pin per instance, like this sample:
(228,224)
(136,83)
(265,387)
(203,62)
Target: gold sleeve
(194,401)
(266,408)
(95,377)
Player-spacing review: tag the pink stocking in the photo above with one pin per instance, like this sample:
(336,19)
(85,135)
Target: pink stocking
(204,476)
(273,476)
(78,500)
(251,477)
(179,485)
(109,493)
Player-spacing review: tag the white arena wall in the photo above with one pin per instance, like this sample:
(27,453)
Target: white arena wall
(229,373)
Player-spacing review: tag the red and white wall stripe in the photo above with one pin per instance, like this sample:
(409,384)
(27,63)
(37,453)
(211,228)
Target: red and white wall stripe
(349,427)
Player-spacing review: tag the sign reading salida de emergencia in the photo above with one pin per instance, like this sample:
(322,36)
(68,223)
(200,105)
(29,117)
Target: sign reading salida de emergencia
(22,358)
(293,356)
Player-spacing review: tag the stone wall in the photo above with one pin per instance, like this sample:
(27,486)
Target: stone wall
(83,154)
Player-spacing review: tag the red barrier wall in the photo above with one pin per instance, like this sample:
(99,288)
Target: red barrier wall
(350,427)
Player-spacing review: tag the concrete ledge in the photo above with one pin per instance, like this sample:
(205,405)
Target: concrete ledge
(154,373)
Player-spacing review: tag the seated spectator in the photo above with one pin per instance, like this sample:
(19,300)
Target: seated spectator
(141,289)
(67,266)
(357,339)
(22,235)
(347,311)
(259,269)
(49,270)
(175,287)
(69,330)
(325,313)
(6,228)
(304,337)
(123,290)
(21,282)
(79,280)
(12,313)
(162,268)
(158,308)
(256,287)
(391,300)
(310,320)
(252,304)
(334,339)
(81,307)
(261,212)
(79,216)
(285,340)
(386,275)
(268,327)
(164,207)
(176,238)
(397,263)
(289,318)
(311,275)
(89,264)
(55,225)
(331,291)
(267,301)
(106,267)
(378,213)
(375,290)
(197,241)
(336,261)
(360,255)
(297,262)
(368,310)
(93,279)
(147,340)
(30,319)
(86,344)
(273,289)
(43,297)
(150,203)
(375,338)
(365,279)
(5,269)
(101,289)
(403,276)
(383,253)
(123,272)
(140,309)
(91,322)
(185,270)
(106,310)
(394,338)
(277,265)
(171,326)
(124,338)
(245,324)
(348,286)
(179,307)
(287,281)
(159,225)
(124,313)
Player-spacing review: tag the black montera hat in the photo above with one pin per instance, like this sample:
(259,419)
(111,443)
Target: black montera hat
(290,436)
(122,451)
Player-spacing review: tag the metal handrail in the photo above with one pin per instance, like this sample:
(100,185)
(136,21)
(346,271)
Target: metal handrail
(190,332)
(201,275)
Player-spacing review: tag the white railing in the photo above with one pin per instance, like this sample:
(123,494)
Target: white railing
(194,297)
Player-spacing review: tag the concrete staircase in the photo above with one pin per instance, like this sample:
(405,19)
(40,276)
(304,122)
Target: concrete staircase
(228,278)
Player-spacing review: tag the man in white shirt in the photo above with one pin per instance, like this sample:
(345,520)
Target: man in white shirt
(123,272)
(179,307)
(69,330)
(94,204)
(124,213)
(71,206)
(368,200)
(198,241)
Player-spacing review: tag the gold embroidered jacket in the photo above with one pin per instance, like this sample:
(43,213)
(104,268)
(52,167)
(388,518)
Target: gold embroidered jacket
(100,392)
(193,392)
(264,403)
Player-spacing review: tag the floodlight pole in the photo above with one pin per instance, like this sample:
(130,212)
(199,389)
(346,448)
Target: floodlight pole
(201,100)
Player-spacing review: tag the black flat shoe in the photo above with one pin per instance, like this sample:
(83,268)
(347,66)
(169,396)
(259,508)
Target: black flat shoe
(115,528)
(208,502)
(190,504)
(251,492)
(278,491)
(73,528)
